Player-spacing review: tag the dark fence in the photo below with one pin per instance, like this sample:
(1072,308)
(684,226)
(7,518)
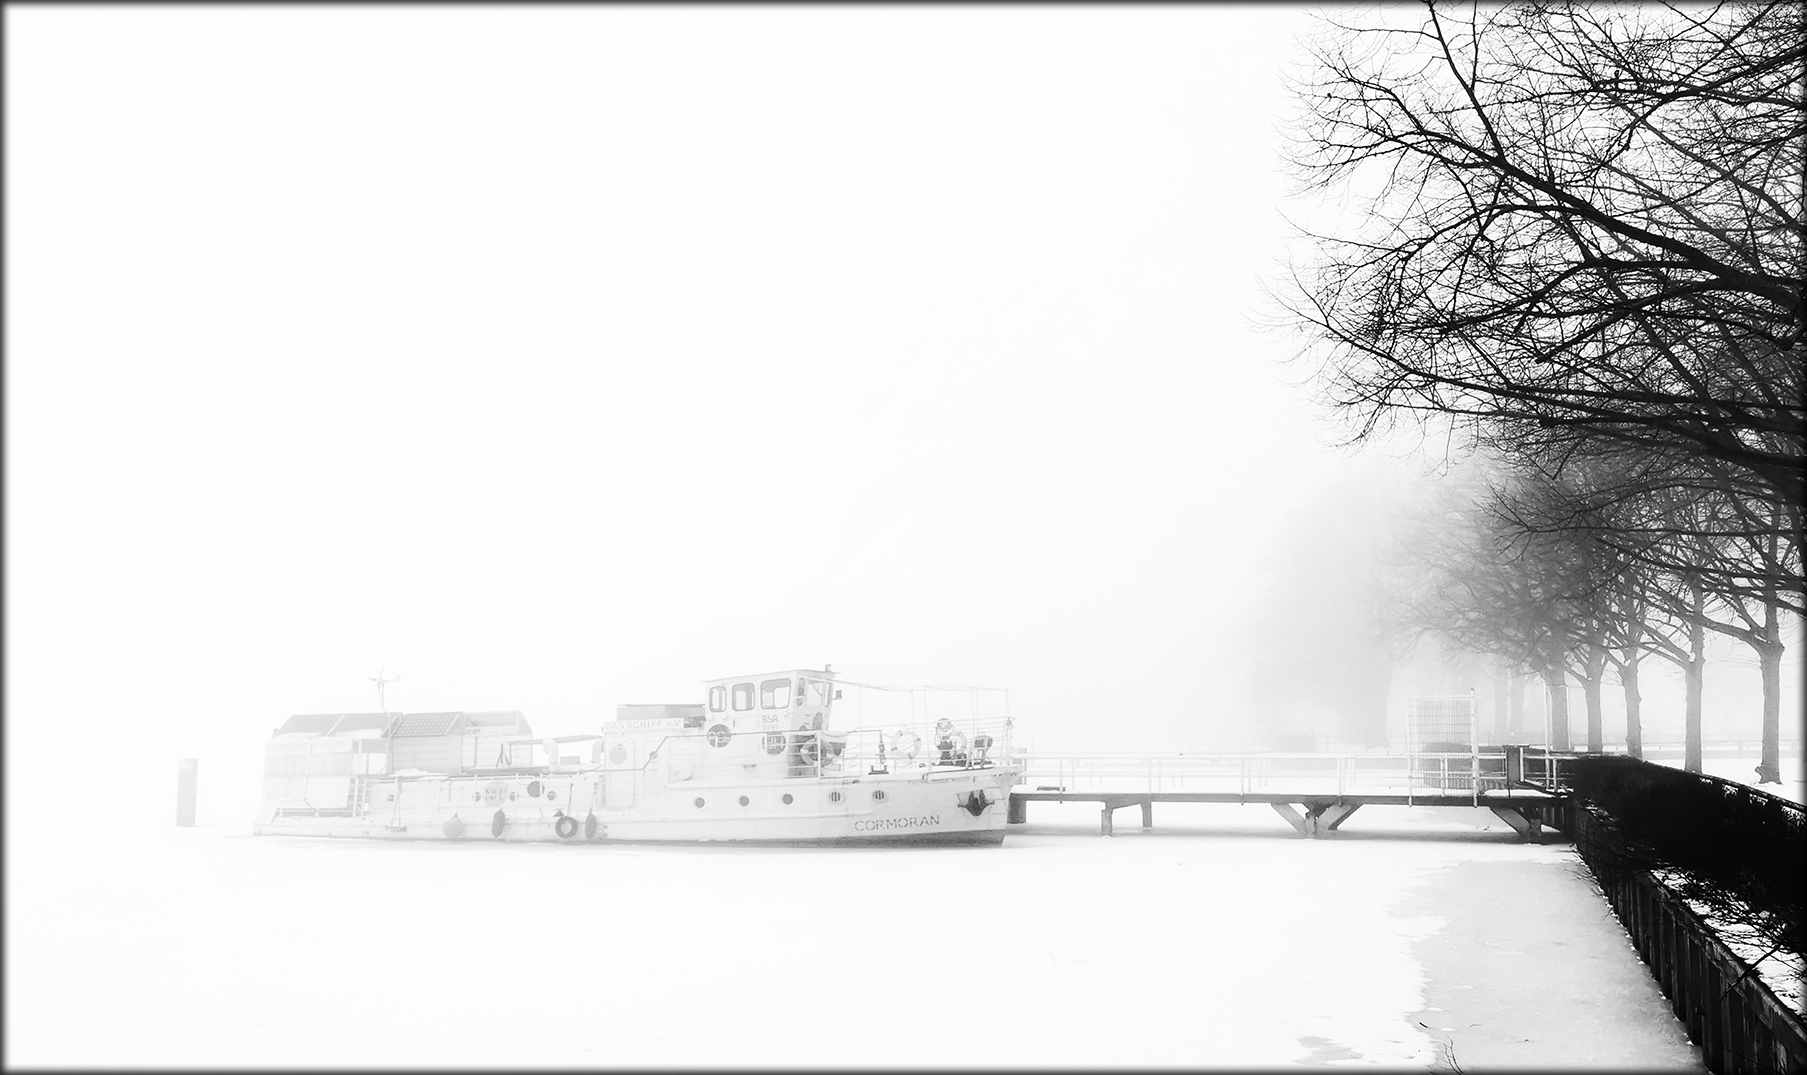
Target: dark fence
(1739,852)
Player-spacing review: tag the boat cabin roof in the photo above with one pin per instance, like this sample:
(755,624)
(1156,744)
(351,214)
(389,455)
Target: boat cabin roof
(813,673)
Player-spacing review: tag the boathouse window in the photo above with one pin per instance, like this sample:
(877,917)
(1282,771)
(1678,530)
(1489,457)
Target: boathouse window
(775,693)
(743,697)
(718,698)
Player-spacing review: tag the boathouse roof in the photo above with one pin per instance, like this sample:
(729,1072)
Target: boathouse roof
(405,725)
(333,723)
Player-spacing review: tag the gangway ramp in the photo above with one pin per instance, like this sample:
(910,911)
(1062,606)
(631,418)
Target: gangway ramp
(1314,792)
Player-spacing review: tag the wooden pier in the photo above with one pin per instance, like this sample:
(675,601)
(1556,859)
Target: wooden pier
(1314,793)
(1528,810)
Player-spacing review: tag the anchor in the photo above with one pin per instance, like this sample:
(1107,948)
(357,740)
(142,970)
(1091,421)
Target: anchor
(975,803)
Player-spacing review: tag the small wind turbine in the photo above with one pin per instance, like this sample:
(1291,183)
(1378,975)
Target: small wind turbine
(380,684)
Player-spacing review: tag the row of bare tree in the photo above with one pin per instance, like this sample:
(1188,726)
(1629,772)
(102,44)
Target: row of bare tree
(1581,260)
(1481,567)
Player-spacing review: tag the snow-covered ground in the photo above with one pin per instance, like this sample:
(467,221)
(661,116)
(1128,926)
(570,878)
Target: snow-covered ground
(1218,939)
(1744,771)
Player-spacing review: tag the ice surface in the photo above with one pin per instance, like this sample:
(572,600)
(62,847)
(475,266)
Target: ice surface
(1218,939)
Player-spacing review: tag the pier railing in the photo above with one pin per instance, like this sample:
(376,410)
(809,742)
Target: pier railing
(1338,774)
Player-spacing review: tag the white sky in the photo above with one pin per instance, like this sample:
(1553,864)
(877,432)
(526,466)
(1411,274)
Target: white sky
(568,356)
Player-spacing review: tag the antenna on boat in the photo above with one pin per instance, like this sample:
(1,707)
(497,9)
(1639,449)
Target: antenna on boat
(380,684)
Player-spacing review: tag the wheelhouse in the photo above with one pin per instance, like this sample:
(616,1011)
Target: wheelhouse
(796,700)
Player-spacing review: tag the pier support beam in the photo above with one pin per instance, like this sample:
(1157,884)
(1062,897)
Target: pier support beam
(1529,829)
(1320,818)
(1113,803)
(1018,812)
(1292,817)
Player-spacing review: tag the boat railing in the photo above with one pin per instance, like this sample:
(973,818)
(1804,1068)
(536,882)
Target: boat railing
(979,743)
(828,752)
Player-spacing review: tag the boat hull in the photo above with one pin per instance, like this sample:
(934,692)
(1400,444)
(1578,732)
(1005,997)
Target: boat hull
(933,807)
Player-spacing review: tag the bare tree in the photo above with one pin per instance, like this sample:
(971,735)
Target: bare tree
(1586,241)
(1677,633)
(1493,589)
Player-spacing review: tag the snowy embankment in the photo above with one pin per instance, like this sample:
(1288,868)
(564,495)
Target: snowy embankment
(1218,939)
(1783,972)
(1744,771)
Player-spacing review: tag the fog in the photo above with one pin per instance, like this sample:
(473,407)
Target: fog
(557,358)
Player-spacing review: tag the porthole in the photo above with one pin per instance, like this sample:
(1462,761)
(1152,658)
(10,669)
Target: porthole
(476,796)
(787,798)
(744,800)
(511,796)
(878,795)
(551,795)
(699,802)
(834,796)
(391,798)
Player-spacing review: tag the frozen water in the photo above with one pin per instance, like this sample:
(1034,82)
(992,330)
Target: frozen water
(1218,939)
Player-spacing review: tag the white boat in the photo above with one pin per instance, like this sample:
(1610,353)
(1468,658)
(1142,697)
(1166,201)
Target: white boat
(761,760)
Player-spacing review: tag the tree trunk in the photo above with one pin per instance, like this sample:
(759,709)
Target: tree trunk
(1693,675)
(1628,678)
(1591,681)
(1497,731)
(1556,681)
(1634,727)
(1515,706)
(1769,660)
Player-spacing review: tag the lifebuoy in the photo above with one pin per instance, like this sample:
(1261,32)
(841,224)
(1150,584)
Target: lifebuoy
(497,823)
(717,736)
(907,743)
(808,752)
(774,742)
(453,828)
(533,788)
(565,826)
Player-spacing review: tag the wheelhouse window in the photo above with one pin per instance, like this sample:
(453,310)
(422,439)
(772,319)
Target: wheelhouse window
(775,694)
(815,692)
(743,697)
(718,698)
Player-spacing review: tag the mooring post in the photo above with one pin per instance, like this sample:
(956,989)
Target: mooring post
(1019,811)
(1104,820)
(187,777)
(1148,813)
